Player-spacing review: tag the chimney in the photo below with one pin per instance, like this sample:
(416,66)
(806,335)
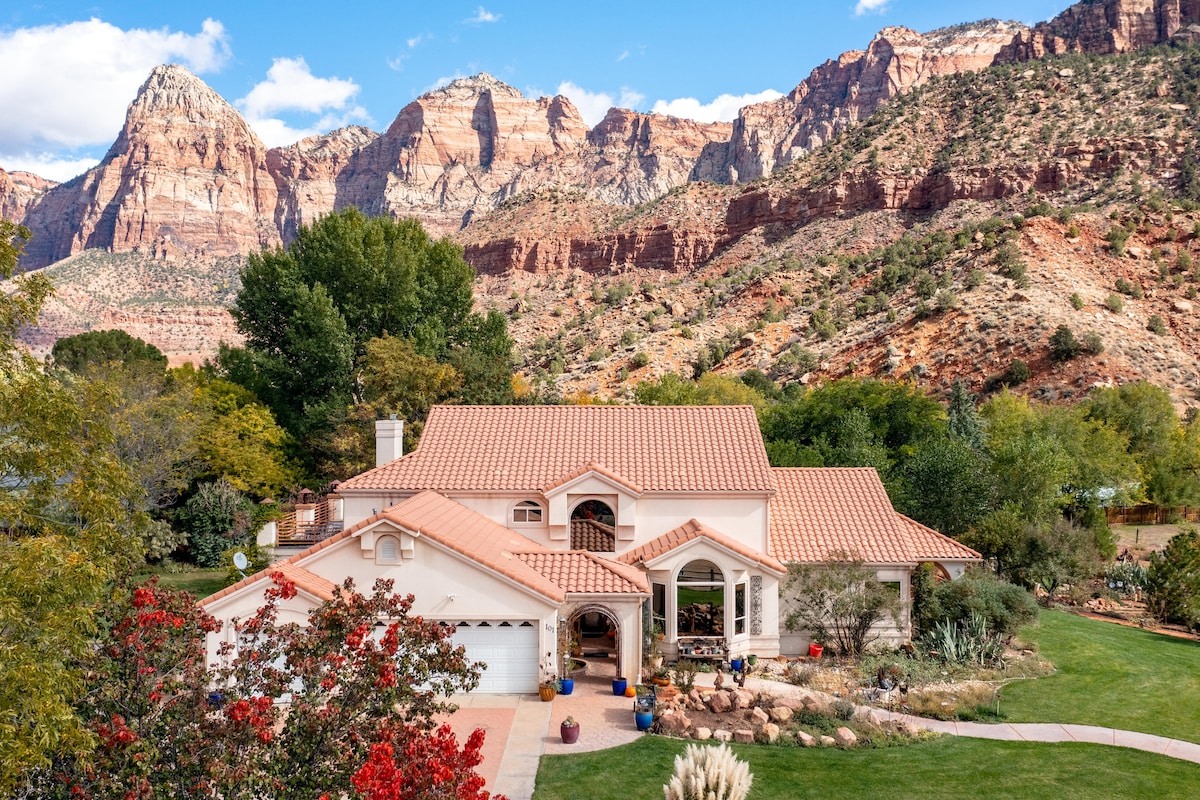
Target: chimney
(389,440)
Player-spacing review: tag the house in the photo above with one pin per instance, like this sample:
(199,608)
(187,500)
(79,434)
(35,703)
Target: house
(519,524)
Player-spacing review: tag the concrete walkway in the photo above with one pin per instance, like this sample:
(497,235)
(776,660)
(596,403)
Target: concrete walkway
(521,729)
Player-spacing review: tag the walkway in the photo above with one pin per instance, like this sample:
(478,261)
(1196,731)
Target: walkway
(521,729)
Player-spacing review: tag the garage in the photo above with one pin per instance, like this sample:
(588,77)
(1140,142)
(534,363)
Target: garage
(510,650)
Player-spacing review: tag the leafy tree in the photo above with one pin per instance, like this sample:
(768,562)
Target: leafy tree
(710,389)
(1028,467)
(1173,580)
(1063,344)
(308,313)
(962,418)
(161,731)
(947,486)
(839,603)
(413,765)
(217,517)
(92,349)
(19,304)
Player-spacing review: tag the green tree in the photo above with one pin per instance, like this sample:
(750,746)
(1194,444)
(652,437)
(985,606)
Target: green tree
(217,517)
(22,301)
(1063,344)
(839,603)
(1173,580)
(962,417)
(947,486)
(93,349)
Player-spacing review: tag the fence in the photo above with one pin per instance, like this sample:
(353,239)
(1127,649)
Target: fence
(310,523)
(1151,514)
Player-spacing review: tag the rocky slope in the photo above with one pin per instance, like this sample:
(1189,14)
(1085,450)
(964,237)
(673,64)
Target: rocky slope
(18,191)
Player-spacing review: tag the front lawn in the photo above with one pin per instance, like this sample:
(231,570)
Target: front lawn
(199,582)
(1110,675)
(947,767)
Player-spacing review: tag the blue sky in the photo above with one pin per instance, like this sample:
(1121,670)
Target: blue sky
(70,68)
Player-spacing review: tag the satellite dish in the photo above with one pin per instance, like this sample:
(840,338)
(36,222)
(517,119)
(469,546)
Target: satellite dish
(240,561)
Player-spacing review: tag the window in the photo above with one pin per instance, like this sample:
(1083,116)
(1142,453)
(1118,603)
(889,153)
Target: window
(527,511)
(700,591)
(658,606)
(387,550)
(739,609)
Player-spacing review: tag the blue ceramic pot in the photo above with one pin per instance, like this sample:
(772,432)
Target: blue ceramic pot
(619,685)
(643,719)
(568,686)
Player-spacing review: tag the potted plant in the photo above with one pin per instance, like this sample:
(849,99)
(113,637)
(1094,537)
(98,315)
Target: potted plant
(548,689)
(618,686)
(569,730)
(661,677)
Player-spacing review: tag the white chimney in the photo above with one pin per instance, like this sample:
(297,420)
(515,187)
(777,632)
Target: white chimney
(389,440)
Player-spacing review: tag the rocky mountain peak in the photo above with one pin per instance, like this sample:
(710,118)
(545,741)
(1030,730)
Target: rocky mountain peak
(474,86)
(173,89)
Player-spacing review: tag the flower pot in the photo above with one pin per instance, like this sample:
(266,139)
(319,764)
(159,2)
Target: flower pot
(660,681)
(735,664)
(546,693)
(655,662)
(568,685)
(569,733)
(643,720)
(815,650)
(752,659)
(618,686)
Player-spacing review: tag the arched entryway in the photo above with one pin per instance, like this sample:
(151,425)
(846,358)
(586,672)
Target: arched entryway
(594,527)
(595,635)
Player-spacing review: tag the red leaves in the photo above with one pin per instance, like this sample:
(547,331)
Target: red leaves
(416,765)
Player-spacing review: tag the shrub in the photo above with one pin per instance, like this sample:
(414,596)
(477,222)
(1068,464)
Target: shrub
(1114,303)
(1076,301)
(599,354)
(1156,325)
(1125,287)
(1063,344)
(974,279)
(217,517)
(704,772)
(1003,606)
(840,604)
(1117,237)
(1173,580)
(640,359)
(1092,343)
(966,642)
(1016,374)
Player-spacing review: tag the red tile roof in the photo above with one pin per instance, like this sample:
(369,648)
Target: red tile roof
(581,571)
(532,448)
(590,534)
(823,511)
(307,581)
(689,531)
(929,545)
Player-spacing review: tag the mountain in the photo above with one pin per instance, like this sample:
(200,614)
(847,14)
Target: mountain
(784,241)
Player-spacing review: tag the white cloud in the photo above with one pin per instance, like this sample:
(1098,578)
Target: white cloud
(624,55)
(483,15)
(869,6)
(291,87)
(414,41)
(67,86)
(594,105)
(49,165)
(723,108)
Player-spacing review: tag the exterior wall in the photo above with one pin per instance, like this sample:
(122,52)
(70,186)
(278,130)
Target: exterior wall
(444,585)
(739,517)
(890,632)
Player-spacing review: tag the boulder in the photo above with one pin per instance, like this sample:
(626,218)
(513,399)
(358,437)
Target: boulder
(702,734)
(805,740)
(743,698)
(780,713)
(674,724)
(759,717)
(744,735)
(722,735)
(866,717)
(845,737)
(770,732)
(828,741)
(720,703)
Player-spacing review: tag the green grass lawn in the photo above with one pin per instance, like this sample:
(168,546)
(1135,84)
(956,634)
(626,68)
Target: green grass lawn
(1110,675)
(947,767)
(200,582)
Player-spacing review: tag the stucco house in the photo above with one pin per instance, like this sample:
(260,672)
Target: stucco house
(516,524)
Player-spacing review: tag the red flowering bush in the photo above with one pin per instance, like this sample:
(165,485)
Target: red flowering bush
(294,712)
(411,764)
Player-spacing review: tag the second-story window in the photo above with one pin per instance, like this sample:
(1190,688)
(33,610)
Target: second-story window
(527,511)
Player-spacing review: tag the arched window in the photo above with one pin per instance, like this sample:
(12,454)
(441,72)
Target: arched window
(593,527)
(387,550)
(527,511)
(700,592)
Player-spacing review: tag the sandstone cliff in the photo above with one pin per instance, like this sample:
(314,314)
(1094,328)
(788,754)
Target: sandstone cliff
(186,174)
(18,191)
(1104,28)
(311,174)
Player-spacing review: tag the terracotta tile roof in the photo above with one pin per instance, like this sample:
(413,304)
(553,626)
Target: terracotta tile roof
(452,525)
(823,510)
(929,545)
(589,534)
(530,448)
(689,531)
(307,581)
(598,468)
(580,571)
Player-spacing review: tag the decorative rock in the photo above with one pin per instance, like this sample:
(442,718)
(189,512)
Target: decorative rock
(867,717)
(845,737)
(759,717)
(805,740)
(722,735)
(770,732)
(1181,306)
(743,735)
(674,724)
(720,703)
(780,714)
(743,698)
(702,734)
(828,741)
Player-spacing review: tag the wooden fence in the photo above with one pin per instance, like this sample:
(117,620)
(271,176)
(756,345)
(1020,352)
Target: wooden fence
(1151,514)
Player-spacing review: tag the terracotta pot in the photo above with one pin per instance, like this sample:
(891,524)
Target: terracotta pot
(546,693)
(569,733)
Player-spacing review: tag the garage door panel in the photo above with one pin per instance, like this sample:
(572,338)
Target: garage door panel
(508,647)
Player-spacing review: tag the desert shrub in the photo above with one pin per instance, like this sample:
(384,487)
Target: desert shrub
(1003,606)
(1125,577)
(640,359)
(967,641)
(1114,303)
(1092,343)
(974,279)
(1156,325)
(705,772)
(599,354)
(1017,373)
(1129,288)
(1076,301)
(1063,344)
(1117,237)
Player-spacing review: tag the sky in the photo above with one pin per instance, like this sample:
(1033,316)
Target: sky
(68,70)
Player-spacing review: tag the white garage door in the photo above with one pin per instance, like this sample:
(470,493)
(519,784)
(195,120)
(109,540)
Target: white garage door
(510,650)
